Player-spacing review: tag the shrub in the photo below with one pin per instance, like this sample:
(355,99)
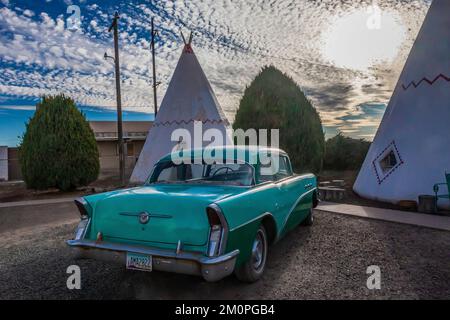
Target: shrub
(58,148)
(274,101)
(345,153)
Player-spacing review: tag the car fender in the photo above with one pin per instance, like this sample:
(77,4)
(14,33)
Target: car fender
(241,237)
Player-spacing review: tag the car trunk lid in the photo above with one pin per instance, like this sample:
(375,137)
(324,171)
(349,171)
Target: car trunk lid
(159,214)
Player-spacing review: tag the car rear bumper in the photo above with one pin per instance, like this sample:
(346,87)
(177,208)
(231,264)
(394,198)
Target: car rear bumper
(210,268)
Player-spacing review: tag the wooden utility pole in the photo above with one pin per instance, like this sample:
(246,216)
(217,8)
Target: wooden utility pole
(155,84)
(114,26)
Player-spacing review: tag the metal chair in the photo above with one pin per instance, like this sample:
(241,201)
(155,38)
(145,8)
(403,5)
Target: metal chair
(436,188)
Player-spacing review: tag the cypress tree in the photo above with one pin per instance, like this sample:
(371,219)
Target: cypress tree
(274,101)
(58,148)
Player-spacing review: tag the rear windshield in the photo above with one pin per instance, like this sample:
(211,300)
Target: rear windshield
(239,174)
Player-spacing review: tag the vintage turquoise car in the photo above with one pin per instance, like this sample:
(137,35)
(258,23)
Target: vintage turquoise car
(208,218)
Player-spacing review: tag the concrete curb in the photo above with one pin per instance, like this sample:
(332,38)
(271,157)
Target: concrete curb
(411,218)
(34,202)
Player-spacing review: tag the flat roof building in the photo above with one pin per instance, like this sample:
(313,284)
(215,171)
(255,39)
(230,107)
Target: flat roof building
(134,134)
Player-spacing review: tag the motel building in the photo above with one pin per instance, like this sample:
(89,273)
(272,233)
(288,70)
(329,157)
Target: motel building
(134,134)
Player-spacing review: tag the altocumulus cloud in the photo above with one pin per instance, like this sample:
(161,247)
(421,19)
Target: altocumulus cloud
(232,39)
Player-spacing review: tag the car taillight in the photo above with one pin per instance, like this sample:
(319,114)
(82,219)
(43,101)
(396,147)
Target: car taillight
(213,216)
(81,204)
(217,232)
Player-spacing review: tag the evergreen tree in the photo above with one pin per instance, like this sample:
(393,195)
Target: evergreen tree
(58,148)
(345,153)
(274,101)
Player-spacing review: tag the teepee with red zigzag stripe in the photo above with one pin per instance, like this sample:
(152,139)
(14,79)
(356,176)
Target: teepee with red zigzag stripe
(411,150)
(189,98)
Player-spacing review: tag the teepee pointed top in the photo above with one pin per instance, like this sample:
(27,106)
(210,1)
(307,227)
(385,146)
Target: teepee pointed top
(187,44)
(189,99)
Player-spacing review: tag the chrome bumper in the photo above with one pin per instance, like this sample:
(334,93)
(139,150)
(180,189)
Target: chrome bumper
(210,268)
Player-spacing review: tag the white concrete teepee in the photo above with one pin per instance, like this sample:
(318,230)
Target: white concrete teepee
(189,98)
(411,150)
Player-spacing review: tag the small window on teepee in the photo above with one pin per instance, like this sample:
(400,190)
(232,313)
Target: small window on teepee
(388,162)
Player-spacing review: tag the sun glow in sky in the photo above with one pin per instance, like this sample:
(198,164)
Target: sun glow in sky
(363,38)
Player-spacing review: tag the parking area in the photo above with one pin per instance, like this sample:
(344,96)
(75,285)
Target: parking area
(326,261)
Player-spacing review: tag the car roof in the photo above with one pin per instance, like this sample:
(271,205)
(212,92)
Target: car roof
(249,152)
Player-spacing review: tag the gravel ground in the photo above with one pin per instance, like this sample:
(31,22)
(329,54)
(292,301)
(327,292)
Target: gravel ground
(326,261)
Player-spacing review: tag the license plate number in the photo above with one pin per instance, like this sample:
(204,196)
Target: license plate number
(140,262)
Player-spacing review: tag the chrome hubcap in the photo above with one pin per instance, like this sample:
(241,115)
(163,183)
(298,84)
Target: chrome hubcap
(258,250)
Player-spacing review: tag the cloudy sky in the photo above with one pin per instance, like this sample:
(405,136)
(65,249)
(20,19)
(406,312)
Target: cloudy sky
(346,55)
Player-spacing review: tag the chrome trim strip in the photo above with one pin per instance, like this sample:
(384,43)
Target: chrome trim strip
(117,247)
(293,178)
(178,247)
(86,228)
(80,232)
(151,215)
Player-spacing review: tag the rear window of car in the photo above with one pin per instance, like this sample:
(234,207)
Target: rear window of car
(239,174)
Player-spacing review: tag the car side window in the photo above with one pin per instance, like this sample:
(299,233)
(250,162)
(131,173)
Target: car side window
(275,171)
(285,167)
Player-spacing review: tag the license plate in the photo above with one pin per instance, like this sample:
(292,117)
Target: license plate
(140,262)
